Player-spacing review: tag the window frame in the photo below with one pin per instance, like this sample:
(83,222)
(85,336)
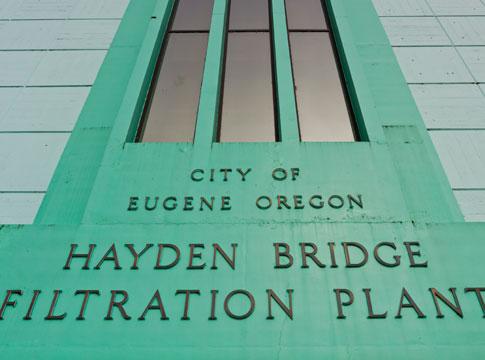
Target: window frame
(329,29)
(270,31)
(158,68)
(284,115)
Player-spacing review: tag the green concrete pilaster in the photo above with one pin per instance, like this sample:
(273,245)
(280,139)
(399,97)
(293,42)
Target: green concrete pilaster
(128,118)
(112,91)
(208,113)
(285,89)
(383,104)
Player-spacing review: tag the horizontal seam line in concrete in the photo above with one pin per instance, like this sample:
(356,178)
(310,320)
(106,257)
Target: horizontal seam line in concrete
(447,83)
(468,189)
(429,16)
(438,46)
(257,222)
(34,132)
(58,19)
(42,86)
(456,129)
(22,192)
(54,49)
(451,45)
(442,83)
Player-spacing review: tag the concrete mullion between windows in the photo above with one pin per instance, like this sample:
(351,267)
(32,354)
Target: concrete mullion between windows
(285,89)
(208,112)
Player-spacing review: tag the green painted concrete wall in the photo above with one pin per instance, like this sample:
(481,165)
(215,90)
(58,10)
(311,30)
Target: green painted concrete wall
(395,169)
(34,257)
(395,164)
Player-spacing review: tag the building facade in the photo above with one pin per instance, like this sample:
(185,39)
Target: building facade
(242,225)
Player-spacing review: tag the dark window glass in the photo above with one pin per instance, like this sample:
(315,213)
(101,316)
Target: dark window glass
(174,104)
(248,110)
(322,109)
(193,15)
(249,15)
(305,15)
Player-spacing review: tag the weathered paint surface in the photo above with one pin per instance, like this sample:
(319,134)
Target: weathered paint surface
(62,9)
(57,34)
(462,155)
(472,203)
(29,159)
(50,54)
(31,109)
(440,45)
(459,106)
(20,207)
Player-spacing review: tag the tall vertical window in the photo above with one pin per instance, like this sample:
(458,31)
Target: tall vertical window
(248,112)
(248,98)
(171,109)
(323,108)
